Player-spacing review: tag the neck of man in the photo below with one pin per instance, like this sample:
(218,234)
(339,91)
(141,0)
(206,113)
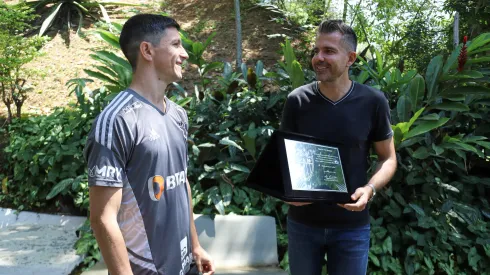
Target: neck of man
(147,84)
(336,89)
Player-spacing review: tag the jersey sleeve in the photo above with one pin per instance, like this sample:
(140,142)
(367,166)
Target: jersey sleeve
(106,153)
(382,124)
(287,119)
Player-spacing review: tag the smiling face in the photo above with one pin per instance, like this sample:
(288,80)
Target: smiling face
(332,57)
(169,55)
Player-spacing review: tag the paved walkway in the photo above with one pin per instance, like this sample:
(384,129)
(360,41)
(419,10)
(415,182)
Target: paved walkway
(32,243)
(42,244)
(100,269)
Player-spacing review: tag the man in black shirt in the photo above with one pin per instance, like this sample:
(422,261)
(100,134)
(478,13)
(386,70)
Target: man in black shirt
(343,111)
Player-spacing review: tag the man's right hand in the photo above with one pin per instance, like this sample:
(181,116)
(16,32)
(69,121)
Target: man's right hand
(298,203)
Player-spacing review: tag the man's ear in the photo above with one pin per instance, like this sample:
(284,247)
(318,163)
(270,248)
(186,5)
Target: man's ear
(146,51)
(352,58)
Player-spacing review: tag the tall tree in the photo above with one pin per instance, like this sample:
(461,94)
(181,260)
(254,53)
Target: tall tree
(238,35)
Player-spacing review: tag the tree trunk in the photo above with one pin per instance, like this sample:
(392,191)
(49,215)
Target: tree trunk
(238,35)
(20,96)
(456,30)
(344,15)
(327,6)
(9,114)
(7,101)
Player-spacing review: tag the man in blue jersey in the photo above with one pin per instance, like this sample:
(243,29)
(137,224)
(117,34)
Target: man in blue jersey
(140,199)
(341,111)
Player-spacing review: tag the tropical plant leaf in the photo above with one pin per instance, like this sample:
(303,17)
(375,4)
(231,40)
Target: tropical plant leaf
(484,49)
(417,209)
(100,76)
(417,91)
(227,141)
(59,187)
(297,76)
(50,19)
(451,61)
(106,70)
(462,75)
(112,58)
(211,66)
(484,59)
(109,37)
(432,75)
(451,106)
(105,15)
(425,126)
(403,108)
(239,167)
(259,69)
(184,101)
(479,41)
(467,90)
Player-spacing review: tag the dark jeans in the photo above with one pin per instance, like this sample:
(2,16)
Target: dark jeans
(347,249)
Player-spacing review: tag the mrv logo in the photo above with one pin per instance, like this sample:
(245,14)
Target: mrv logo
(107,172)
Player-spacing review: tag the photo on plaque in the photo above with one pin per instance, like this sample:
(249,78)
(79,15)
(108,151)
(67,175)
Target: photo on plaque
(314,167)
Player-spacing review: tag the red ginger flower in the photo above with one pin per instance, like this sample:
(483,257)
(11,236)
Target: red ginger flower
(463,56)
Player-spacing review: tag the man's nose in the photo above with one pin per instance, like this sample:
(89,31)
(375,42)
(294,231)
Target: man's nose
(184,54)
(320,56)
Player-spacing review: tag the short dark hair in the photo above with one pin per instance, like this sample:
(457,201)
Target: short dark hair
(331,26)
(143,27)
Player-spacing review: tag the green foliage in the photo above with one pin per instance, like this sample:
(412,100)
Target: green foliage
(15,19)
(473,16)
(87,245)
(44,151)
(432,218)
(195,50)
(63,10)
(15,52)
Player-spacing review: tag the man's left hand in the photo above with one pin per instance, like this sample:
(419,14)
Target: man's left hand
(204,262)
(361,196)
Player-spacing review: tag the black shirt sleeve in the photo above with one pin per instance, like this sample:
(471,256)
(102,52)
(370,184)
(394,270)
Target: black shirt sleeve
(287,120)
(382,124)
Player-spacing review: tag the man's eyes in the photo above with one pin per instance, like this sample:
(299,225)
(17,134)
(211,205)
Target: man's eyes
(328,51)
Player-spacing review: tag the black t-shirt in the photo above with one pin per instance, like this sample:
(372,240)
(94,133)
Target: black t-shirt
(358,119)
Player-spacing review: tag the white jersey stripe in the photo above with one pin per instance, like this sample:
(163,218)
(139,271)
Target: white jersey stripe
(111,122)
(104,114)
(110,112)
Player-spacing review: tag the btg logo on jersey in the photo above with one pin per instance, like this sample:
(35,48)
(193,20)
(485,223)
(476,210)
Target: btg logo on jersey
(157,184)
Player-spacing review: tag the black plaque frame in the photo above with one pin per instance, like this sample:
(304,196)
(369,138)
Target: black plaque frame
(271,172)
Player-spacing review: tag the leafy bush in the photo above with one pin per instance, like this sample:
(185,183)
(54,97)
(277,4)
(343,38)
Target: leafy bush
(15,52)
(43,151)
(433,217)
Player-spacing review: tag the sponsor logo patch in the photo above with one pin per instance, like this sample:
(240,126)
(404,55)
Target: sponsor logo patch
(158,184)
(105,172)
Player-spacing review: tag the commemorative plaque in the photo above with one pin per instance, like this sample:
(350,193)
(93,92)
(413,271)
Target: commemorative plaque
(300,168)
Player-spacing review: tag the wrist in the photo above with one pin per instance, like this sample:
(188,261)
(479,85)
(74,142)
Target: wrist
(196,247)
(371,190)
